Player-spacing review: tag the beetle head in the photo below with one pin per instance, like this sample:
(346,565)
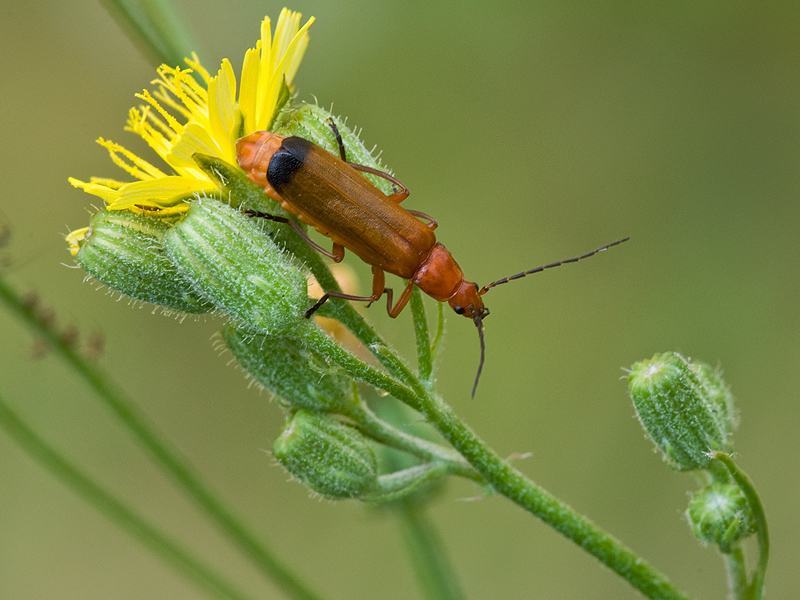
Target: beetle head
(467,301)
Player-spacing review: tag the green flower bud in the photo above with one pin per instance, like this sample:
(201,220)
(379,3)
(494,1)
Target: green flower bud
(238,268)
(718,393)
(311,122)
(720,514)
(328,456)
(125,251)
(241,193)
(296,375)
(683,408)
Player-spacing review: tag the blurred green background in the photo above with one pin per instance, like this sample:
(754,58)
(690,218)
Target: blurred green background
(532,131)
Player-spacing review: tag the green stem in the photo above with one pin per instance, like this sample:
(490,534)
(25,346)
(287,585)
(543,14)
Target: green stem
(169,460)
(428,553)
(402,483)
(309,333)
(516,487)
(756,589)
(507,480)
(155,28)
(369,423)
(172,30)
(168,549)
(437,339)
(423,335)
(737,574)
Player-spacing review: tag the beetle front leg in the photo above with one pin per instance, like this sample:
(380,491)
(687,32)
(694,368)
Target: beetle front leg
(405,296)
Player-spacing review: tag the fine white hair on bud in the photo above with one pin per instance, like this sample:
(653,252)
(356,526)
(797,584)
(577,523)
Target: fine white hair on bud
(125,251)
(685,408)
(331,458)
(720,514)
(296,375)
(233,264)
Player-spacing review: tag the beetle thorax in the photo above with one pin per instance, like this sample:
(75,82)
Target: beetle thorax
(254,152)
(440,277)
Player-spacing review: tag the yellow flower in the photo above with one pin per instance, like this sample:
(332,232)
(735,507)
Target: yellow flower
(182,117)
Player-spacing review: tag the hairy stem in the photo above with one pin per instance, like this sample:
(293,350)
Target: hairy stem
(167,458)
(506,480)
(162,545)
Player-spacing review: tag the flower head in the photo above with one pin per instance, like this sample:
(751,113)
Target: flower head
(182,116)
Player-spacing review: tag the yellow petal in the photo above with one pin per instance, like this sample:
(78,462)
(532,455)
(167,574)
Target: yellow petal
(224,118)
(75,239)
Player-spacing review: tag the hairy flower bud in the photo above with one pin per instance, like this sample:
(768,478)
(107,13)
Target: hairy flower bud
(720,514)
(125,251)
(685,409)
(238,268)
(331,458)
(296,375)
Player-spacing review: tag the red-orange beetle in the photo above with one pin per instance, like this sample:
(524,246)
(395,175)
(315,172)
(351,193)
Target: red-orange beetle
(331,195)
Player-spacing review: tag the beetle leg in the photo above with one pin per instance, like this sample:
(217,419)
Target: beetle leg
(339,141)
(421,215)
(338,251)
(378,282)
(397,197)
(405,296)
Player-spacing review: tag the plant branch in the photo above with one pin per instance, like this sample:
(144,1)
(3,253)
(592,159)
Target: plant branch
(756,589)
(427,552)
(508,481)
(155,29)
(162,545)
(167,458)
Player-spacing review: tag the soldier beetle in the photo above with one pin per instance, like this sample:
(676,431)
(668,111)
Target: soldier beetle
(331,195)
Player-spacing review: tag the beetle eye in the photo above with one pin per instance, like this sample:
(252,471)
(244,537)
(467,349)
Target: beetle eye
(459,310)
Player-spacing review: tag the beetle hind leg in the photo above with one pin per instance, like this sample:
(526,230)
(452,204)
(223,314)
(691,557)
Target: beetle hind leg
(378,281)
(378,290)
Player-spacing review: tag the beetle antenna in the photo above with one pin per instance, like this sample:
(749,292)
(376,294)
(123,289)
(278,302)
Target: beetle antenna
(478,318)
(575,259)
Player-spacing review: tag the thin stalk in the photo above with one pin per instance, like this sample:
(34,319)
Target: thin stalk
(508,481)
(400,484)
(512,484)
(756,589)
(311,334)
(155,29)
(172,29)
(166,457)
(428,554)
(171,551)
(423,335)
(737,573)
(369,423)
(437,339)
